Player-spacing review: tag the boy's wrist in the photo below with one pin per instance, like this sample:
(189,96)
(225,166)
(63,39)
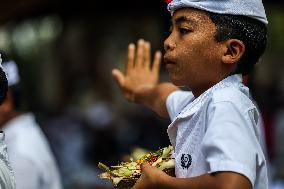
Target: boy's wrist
(143,95)
(164,181)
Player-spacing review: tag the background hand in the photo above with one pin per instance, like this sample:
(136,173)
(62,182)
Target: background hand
(140,74)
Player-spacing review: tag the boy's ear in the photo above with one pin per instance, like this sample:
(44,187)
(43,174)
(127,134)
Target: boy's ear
(234,51)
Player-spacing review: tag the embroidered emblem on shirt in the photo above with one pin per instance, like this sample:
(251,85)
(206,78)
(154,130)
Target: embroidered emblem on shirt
(185,161)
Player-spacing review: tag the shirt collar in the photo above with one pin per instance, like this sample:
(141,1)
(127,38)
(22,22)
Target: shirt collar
(195,105)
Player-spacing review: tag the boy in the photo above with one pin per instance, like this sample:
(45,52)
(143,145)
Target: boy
(214,127)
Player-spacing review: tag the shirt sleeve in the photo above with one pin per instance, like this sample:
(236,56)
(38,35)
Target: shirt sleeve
(230,142)
(176,101)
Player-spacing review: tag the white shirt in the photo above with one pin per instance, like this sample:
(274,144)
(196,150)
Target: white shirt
(30,155)
(218,131)
(7,180)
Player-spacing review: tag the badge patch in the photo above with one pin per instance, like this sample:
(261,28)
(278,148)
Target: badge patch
(185,161)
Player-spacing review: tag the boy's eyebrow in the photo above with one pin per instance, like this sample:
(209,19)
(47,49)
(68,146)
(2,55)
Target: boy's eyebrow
(181,19)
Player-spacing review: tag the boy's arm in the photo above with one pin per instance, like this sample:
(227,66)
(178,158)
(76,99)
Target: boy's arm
(153,178)
(140,82)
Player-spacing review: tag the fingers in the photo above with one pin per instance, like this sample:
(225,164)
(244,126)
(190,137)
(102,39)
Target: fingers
(119,77)
(145,166)
(157,62)
(147,54)
(131,56)
(143,57)
(140,182)
(140,53)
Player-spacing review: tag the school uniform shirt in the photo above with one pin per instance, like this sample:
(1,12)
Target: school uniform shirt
(217,131)
(7,180)
(30,155)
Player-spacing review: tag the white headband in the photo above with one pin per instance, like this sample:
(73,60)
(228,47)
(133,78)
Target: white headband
(1,62)
(12,73)
(249,8)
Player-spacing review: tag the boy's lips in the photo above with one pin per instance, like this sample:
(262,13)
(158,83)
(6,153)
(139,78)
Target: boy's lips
(169,64)
(168,61)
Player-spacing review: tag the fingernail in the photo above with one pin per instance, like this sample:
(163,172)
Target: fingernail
(140,41)
(113,71)
(159,54)
(131,46)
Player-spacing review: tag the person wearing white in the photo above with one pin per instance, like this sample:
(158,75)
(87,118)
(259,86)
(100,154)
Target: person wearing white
(199,126)
(30,155)
(28,149)
(7,179)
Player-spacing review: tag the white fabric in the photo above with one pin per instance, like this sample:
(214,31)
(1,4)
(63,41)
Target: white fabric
(250,8)
(12,72)
(1,61)
(7,180)
(218,131)
(30,155)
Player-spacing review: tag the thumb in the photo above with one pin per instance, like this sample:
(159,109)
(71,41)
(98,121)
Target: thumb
(145,166)
(119,77)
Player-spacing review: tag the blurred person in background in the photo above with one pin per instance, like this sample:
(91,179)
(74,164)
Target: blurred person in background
(28,149)
(7,180)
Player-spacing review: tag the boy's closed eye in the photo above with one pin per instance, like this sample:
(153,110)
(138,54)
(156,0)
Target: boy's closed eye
(184,30)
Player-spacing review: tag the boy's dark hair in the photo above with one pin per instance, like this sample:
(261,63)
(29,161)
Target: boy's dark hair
(251,32)
(3,85)
(3,80)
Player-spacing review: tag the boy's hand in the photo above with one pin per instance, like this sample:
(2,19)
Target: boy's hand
(140,74)
(151,178)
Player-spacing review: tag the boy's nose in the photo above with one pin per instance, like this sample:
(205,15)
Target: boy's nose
(169,44)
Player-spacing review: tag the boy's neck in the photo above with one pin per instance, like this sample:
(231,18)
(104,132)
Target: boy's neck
(199,91)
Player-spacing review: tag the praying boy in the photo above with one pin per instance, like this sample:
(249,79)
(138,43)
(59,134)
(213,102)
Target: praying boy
(215,127)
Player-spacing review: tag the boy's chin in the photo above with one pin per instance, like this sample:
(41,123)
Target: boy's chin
(177,83)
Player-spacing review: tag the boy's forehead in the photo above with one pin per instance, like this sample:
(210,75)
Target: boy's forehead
(190,15)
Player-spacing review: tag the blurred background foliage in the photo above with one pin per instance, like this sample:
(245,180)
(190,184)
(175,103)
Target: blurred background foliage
(66,50)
